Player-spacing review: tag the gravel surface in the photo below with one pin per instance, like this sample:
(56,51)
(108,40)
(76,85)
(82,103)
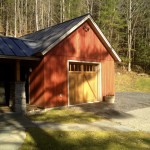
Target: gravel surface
(132,101)
(130,109)
(136,107)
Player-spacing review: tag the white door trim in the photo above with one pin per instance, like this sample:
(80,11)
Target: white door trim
(99,79)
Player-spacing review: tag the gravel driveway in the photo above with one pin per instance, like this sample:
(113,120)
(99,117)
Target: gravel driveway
(132,101)
(129,109)
(135,108)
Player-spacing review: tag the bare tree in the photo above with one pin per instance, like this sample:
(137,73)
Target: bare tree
(15,20)
(90,6)
(36,15)
(6,25)
(62,10)
(42,14)
(26,16)
(19,16)
(129,34)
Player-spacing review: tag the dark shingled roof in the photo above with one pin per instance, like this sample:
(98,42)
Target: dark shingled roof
(10,46)
(46,37)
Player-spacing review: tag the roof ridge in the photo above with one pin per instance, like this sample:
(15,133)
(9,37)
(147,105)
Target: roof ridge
(71,19)
(23,37)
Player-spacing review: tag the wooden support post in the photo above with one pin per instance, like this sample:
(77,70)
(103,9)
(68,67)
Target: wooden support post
(17,70)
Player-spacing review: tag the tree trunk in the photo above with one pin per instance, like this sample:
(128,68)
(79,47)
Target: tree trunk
(62,11)
(91,7)
(36,16)
(48,14)
(129,35)
(69,11)
(15,29)
(26,19)
(19,17)
(42,15)
(6,32)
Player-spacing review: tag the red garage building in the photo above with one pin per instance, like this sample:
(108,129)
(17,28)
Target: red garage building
(75,64)
(77,67)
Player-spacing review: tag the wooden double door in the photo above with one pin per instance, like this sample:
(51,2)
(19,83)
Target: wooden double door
(83,83)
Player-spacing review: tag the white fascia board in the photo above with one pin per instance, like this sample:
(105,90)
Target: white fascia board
(65,35)
(105,40)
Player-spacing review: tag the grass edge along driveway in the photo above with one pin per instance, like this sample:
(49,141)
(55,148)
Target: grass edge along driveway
(66,115)
(38,138)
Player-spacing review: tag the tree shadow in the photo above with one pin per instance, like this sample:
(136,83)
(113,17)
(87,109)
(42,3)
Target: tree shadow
(124,103)
(19,122)
(47,138)
(104,109)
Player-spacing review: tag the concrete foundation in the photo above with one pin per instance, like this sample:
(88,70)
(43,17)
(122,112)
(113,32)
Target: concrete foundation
(18,96)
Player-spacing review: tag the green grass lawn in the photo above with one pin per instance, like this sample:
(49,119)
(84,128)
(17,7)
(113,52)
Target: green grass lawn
(65,115)
(39,139)
(131,82)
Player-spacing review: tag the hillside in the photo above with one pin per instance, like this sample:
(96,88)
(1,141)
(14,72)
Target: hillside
(132,82)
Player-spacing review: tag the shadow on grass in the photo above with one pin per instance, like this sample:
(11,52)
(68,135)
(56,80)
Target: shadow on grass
(65,116)
(83,113)
(103,109)
(39,138)
(73,140)
(18,122)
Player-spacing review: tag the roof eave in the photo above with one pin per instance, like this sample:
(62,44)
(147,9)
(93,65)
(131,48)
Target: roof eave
(19,57)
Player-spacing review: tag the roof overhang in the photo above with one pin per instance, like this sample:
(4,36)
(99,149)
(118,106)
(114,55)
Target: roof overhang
(19,58)
(97,31)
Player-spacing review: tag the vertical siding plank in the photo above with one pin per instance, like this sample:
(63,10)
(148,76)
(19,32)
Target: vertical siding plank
(37,85)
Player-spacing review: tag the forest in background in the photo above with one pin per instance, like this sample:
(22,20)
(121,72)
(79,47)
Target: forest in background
(125,23)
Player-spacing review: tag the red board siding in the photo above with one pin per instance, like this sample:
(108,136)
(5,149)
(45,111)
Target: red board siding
(81,44)
(107,78)
(53,81)
(37,85)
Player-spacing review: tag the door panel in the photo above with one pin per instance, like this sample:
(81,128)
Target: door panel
(90,87)
(82,84)
(72,81)
(79,88)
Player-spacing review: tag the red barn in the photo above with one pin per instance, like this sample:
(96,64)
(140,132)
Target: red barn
(77,67)
(75,64)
